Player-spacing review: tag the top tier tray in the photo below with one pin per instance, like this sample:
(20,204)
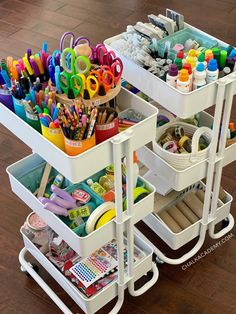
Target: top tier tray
(181,104)
(78,168)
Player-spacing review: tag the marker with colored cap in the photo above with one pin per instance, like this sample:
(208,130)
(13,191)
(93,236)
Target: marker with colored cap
(183,82)
(212,71)
(223,57)
(199,76)
(172,75)
(233,53)
(216,53)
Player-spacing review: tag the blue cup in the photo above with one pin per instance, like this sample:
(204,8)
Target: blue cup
(19,108)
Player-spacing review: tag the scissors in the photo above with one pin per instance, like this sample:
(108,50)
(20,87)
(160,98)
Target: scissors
(116,69)
(90,86)
(70,82)
(105,80)
(73,42)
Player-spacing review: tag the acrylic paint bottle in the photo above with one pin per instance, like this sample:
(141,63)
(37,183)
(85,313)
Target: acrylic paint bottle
(212,71)
(183,82)
(188,67)
(172,75)
(199,76)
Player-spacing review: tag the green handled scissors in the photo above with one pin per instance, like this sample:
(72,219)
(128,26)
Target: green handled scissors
(70,82)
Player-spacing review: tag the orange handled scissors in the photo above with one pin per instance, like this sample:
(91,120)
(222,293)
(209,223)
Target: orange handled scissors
(105,79)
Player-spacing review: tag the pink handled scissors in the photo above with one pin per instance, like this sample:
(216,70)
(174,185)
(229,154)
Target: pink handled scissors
(116,69)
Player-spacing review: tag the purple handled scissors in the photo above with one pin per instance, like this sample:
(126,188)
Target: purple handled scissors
(73,42)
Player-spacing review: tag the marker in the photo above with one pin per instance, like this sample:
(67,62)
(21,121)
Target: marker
(223,57)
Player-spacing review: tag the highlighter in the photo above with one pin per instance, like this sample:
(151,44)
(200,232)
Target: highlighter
(39,63)
(29,69)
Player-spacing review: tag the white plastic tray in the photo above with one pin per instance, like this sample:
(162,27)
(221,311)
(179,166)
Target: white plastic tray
(181,104)
(177,240)
(92,304)
(80,167)
(82,245)
(180,179)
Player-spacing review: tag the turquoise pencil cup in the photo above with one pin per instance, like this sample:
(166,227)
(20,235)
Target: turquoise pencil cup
(19,108)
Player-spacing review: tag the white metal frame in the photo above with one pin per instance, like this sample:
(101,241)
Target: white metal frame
(226,88)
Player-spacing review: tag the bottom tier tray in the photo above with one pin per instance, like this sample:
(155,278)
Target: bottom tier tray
(94,303)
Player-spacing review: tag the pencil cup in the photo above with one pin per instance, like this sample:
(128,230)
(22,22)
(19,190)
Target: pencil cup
(107,130)
(54,135)
(6,100)
(19,108)
(74,148)
(33,120)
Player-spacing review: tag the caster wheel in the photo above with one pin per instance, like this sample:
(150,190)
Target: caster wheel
(159,261)
(35,268)
(156,259)
(225,223)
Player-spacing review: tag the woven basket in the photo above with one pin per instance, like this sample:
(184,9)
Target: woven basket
(183,161)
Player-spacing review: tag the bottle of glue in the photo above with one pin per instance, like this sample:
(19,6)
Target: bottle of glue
(183,82)
(172,75)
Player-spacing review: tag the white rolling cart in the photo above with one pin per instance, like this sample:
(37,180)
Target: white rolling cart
(183,106)
(75,169)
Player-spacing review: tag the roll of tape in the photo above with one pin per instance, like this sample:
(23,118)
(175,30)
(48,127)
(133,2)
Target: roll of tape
(105,218)
(179,132)
(171,146)
(183,140)
(96,214)
(139,193)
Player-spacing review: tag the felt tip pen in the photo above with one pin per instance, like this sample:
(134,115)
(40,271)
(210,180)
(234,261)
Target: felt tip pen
(6,78)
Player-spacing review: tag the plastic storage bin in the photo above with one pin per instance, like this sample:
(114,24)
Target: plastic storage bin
(181,104)
(177,240)
(180,179)
(82,245)
(181,36)
(78,168)
(94,303)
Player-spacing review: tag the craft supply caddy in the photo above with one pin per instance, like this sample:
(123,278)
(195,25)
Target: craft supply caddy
(37,178)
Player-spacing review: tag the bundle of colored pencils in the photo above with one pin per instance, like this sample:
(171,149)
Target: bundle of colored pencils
(77,121)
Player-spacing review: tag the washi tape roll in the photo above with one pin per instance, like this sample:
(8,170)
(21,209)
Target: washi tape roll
(171,146)
(105,218)
(96,215)
(179,132)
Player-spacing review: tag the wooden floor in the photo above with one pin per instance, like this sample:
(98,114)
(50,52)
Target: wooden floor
(206,287)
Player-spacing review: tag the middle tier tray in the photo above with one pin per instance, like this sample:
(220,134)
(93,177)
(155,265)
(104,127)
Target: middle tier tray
(82,245)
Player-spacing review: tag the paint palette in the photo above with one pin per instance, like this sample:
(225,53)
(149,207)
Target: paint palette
(94,267)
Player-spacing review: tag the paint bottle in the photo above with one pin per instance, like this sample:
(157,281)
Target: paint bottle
(179,63)
(172,75)
(199,76)
(180,55)
(212,71)
(201,59)
(209,57)
(192,53)
(183,82)
(192,62)
(188,67)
